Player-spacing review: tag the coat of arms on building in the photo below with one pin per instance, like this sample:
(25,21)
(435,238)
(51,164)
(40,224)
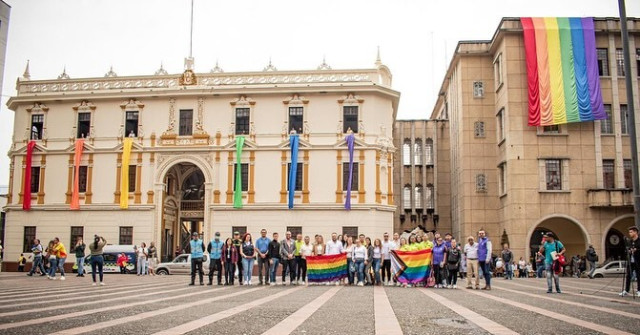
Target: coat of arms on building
(188,78)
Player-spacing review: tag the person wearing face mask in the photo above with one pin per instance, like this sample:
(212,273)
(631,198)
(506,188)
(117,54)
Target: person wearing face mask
(197,254)
(215,258)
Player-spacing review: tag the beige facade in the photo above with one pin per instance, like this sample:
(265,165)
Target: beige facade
(518,181)
(421,175)
(183,158)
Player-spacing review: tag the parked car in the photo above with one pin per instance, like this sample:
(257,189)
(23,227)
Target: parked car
(610,269)
(110,254)
(181,265)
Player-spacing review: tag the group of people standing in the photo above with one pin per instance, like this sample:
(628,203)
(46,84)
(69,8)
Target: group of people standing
(146,259)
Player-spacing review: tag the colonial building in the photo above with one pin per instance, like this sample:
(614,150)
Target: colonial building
(181,172)
(421,175)
(518,181)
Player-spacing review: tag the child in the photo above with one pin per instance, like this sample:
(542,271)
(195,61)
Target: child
(21,262)
(122,262)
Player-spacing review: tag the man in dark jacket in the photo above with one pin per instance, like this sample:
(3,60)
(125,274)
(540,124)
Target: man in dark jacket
(237,242)
(274,258)
(507,257)
(592,258)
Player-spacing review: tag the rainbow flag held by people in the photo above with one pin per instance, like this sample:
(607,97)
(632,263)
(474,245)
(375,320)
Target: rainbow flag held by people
(562,70)
(411,267)
(326,268)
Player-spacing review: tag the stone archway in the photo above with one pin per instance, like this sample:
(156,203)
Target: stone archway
(613,239)
(569,231)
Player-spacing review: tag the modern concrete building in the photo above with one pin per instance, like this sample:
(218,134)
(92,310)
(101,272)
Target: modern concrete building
(518,181)
(183,162)
(421,175)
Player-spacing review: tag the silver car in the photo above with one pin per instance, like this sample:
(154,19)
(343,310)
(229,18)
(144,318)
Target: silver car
(610,269)
(181,265)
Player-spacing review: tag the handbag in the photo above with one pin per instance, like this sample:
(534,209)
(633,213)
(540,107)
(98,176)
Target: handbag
(431,281)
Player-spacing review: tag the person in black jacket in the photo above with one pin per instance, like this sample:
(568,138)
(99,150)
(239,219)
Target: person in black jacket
(507,257)
(633,260)
(453,264)
(274,260)
(237,242)
(592,258)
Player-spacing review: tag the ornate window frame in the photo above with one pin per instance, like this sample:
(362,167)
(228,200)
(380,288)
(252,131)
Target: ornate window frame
(132,105)
(351,100)
(295,101)
(37,109)
(84,106)
(242,102)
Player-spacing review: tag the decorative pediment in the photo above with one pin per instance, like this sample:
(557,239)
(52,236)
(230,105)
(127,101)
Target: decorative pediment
(84,106)
(87,147)
(248,143)
(243,101)
(357,142)
(131,104)
(295,100)
(301,142)
(134,146)
(351,99)
(38,108)
(37,149)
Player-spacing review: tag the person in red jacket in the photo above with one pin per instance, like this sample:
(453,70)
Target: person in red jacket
(122,262)
(229,260)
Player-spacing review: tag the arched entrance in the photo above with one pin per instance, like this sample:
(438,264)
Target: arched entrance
(568,231)
(183,207)
(614,238)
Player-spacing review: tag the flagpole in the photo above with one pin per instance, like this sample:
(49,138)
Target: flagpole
(630,111)
(191,33)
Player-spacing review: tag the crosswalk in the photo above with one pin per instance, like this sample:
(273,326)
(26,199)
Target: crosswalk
(166,305)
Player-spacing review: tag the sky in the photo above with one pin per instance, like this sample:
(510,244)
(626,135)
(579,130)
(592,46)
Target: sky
(416,38)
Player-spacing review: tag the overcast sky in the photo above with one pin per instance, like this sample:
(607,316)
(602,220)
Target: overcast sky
(416,38)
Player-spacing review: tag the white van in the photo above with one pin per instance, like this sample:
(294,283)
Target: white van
(110,254)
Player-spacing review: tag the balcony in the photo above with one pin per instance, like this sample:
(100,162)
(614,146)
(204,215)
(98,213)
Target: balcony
(610,197)
(192,208)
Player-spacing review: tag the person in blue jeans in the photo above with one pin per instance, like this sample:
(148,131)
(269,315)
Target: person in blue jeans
(359,257)
(36,249)
(551,249)
(248,253)
(377,260)
(484,258)
(274,258)
(79,250)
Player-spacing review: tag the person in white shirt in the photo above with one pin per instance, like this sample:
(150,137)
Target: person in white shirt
(471,255)
(141,262)
(359,257)
(387,246)
(334,247)
(305,250)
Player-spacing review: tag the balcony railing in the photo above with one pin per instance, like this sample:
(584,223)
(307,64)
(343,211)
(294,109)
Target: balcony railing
(192,205)
(610,197)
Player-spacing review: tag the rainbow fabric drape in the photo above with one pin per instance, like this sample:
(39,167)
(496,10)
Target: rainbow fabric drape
(75,194)
(562,71)
(293,170)
(326,268)
(26,197)
(237,191)
(411,267)
(124,176)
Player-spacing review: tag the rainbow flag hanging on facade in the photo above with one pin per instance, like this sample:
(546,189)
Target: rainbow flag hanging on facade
(326,268)
(411,267)
(562,71)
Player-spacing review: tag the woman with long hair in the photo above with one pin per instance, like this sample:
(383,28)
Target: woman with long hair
(141,262)
(53,261)
(359,258)
(229,260)
(351,269)
(368,277)
(404,246)
(152,260)
(318,248)
(377,260)
(97,259)
(413,243)
(248,253)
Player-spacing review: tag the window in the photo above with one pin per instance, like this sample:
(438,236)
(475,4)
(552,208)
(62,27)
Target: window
(606,126)
(132,178)
(429,198)
(240,229)
(35,179)
(295,230)
(75,233)
(417,196)
(126,236)
(244,171)
(608,175)
(497,71)
(624,119)
(406,197)
(406,152)
(350,118)
(242,121)
(298,176)
(628,173)
(29,236)
(131,124)
(553,174)
(350,231)
(417,152)
(345,176)
(82,180)
(553,129)
(478,89)
(296,118)
(502,178)
(603,62)
(37,125)
(620,62)
(84,125)
(481,183)
(478,129)
(500,117)
(428,154)
(186,122)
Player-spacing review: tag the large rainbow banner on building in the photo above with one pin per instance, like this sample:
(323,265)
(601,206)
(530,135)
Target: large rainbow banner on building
(411,267)
(562,70)
(326,268)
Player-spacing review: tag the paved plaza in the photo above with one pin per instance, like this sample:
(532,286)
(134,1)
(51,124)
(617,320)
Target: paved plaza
(166,305)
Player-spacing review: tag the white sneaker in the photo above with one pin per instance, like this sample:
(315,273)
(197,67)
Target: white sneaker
(304,283)
(272,284)
(448,286)
(93,284)
(62,278)
(250,283)
(455,287)
(360,284)
(101,284)
(638,294)
(337,283)
(54,278)
(623,294)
